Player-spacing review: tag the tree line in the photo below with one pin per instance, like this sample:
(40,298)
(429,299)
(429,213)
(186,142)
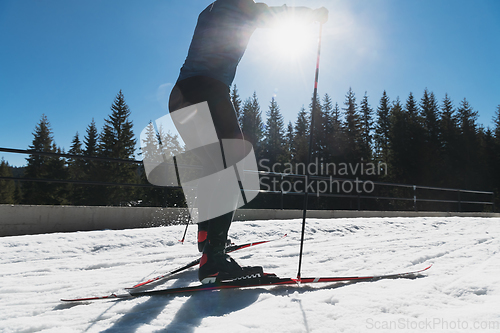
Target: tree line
(422,141)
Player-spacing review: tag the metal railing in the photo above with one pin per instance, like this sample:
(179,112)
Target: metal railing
(413,198)
(413,190)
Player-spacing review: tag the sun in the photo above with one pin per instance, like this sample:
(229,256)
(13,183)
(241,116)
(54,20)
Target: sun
(291,39)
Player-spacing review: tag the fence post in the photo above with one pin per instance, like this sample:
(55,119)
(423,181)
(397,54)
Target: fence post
(493,202)
(415,198)
(281,192)
(459,202)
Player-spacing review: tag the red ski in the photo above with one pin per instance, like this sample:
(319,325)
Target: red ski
(267,280)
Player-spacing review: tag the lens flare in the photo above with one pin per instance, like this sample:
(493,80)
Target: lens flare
(291,39)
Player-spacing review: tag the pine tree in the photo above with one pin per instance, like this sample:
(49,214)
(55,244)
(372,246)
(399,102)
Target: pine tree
(44,167)
(467,118)
(117,138)
(366,129)
(414,118)
(150,145)
(401,157)
(334,134)
(151,154)
(35,192)
(487,160)
(235,99)
(170,145)
(57,169)
(91,169)
(117,141)
(469,141)
(274,138)
(449,126)
(496,120)
(450,148)
(156,147)
(430,115)
(328,129)
(76,171)
(432,135)
(91,147)
(382,129)
(300,144)
(7,187)
(76,147)
(352,129)
(251,124)
(288,142)
(414,143)
(319,130)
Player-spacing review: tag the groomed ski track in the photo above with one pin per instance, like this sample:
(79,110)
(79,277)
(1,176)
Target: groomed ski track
(462,290)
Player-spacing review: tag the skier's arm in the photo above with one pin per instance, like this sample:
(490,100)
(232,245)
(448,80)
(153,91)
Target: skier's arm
(269,15)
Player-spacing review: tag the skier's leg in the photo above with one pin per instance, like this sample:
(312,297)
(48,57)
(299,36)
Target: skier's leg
(202,234)
(215,263)
(216,94)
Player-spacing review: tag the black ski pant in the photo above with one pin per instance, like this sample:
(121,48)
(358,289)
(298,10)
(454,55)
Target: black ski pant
(199,89)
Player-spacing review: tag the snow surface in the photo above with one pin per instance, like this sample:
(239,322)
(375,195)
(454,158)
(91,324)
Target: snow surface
(460,293)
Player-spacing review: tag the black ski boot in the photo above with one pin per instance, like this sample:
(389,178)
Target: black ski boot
(216,265)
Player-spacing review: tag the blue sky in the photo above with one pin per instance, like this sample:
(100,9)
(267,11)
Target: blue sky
(69,59)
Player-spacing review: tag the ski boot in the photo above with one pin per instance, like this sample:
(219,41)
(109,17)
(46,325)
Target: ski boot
(216,266)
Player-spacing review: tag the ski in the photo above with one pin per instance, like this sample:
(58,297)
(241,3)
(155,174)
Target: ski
(229,249)
(267,280)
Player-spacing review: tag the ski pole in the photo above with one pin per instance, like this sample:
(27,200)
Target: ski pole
(311,132)
(185,232)
(189,220)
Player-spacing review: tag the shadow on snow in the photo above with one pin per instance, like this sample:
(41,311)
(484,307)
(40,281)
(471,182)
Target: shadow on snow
(201,305)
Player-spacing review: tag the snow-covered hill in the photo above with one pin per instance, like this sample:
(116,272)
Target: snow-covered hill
(460,293)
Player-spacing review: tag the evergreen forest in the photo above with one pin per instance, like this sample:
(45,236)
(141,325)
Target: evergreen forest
(422,140)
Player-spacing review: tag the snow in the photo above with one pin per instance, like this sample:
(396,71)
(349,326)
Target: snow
(460,293)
